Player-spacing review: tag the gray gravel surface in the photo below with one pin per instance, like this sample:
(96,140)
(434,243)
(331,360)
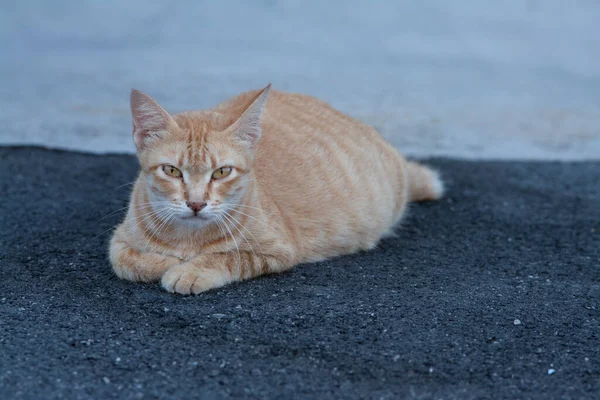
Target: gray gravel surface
(492,292)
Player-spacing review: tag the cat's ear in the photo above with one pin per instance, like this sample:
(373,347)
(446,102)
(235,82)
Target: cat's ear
(150,120)
(247,128)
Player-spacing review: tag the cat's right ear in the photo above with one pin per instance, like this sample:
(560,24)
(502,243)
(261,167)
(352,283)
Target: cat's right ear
(150,120)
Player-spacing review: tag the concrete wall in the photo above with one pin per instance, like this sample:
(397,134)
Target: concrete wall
(477,79)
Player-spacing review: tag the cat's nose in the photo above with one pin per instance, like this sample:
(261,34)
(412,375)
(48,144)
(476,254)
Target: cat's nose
(196,206)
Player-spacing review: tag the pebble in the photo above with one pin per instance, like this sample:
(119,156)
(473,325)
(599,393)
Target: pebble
(517,322)
(551,371)
(106,380)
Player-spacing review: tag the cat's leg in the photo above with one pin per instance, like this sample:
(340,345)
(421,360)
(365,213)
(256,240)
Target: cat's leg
(133,265)
(218,269)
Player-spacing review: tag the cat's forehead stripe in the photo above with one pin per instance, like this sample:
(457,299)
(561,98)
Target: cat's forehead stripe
(190,155)
(195,153)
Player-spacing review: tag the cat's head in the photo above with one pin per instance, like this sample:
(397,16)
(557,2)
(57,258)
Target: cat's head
(196,165)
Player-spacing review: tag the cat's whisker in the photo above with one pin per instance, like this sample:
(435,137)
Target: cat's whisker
(169,216)
(123,185)
(138,207)
(123,208)
(249,216)
(102,233)
(220,226)
(111,228)
(246,229)
(160,213)
(150,212)
(245,206)
(151,204)
(148,215)
(230,218)
(235,242)
(166,219)
(113,213)
(144,217)
(156,202)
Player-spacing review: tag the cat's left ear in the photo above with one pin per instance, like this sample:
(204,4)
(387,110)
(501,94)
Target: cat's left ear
(247,128)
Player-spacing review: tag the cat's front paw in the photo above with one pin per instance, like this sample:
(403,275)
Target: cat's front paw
(190,279)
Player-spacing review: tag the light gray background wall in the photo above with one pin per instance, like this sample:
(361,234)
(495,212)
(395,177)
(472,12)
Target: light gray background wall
(472,78)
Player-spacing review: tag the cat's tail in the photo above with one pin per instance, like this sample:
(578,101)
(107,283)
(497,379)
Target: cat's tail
(424,183)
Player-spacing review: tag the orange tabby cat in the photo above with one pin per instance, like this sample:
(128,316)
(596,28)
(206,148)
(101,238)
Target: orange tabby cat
(256,185)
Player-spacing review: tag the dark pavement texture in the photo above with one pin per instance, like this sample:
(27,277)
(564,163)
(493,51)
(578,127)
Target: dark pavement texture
(429,314)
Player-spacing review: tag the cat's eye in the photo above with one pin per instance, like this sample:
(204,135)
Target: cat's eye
(222,172)
(171,171)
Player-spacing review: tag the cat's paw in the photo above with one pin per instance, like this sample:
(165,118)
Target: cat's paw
(133,265)
(127,273)
(189,279)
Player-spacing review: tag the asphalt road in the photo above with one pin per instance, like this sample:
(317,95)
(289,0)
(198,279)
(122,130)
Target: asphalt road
(492,292)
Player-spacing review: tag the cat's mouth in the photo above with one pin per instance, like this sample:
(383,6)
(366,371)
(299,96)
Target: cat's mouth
(201,217)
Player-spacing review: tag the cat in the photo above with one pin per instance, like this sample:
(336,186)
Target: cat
(258,184)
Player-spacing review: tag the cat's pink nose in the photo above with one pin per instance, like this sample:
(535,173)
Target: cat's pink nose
(196,206)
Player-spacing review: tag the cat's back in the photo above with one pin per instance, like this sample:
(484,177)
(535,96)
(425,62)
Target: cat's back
(298,114)
(332,175)
(303,114)
(306,129)
(313,128)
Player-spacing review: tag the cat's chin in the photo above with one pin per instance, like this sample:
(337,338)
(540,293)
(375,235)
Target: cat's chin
(195,221)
